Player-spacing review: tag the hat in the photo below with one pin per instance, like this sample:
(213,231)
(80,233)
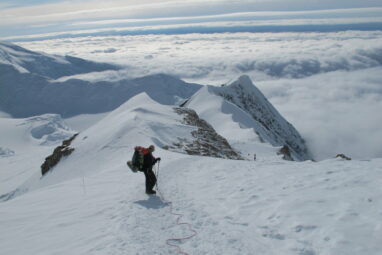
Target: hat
(151,148)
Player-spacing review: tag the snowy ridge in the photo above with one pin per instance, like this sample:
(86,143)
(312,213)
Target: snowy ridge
(139,121)
(90,203)
(248,107)
(28,90)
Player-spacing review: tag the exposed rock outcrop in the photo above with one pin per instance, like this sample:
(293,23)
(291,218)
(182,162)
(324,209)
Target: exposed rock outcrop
(343,156)
(207,142)
(285,152)
(58,153)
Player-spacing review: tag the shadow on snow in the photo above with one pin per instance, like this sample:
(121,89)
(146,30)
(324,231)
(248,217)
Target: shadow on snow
(154,202)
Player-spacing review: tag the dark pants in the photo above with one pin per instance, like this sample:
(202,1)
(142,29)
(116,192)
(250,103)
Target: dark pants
(150,179)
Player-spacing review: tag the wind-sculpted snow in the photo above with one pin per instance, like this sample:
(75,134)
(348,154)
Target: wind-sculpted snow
(29,93)
(24,144)
(5,152)
(49,128)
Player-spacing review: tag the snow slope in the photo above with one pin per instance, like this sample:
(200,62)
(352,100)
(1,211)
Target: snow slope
(28,88)
(232,123)
(92,204)
(140,118)
(24,144)
(240,112)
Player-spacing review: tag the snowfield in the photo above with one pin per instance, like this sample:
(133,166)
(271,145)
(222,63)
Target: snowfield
(91,203)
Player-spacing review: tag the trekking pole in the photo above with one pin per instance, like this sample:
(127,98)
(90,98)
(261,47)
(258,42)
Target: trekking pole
(157,176)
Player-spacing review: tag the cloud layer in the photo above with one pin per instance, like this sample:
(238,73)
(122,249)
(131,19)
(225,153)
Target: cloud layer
(337,112)
(327,84)
(84,18)
(215,58)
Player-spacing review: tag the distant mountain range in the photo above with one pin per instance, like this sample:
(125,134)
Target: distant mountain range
(29,87)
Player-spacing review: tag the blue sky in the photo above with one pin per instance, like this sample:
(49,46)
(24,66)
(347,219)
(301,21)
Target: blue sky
(22,18)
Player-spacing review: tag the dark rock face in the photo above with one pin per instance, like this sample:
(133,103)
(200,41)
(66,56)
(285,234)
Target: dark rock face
(285,152)
(343,156)
(207,142)
(58,153)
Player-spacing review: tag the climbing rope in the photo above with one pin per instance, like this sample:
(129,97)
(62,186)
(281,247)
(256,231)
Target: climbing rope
(179,216)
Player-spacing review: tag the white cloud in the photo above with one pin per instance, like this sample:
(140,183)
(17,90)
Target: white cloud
(327,84)
(216,58)
(337,112)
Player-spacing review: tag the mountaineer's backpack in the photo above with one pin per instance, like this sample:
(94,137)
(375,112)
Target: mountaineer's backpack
(136,163)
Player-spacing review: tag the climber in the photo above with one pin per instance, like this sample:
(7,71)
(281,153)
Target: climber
(148,162)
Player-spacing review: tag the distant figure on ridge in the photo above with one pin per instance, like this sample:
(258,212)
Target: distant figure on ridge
(254,156)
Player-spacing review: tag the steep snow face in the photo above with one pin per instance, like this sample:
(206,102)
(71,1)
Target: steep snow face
(26,90)
(50,66)
(237,126)
(247,107)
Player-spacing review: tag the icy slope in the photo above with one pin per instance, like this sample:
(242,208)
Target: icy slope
(26,91)
(92,204)
(240,112)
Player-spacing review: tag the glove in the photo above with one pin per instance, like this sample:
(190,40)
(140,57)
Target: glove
(157,159)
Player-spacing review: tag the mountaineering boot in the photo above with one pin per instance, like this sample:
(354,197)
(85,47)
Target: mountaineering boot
(150,192)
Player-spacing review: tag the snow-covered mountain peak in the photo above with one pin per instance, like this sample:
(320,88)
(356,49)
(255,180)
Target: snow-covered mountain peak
(242,91)
(243,81)
(140,101)
(248,107)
